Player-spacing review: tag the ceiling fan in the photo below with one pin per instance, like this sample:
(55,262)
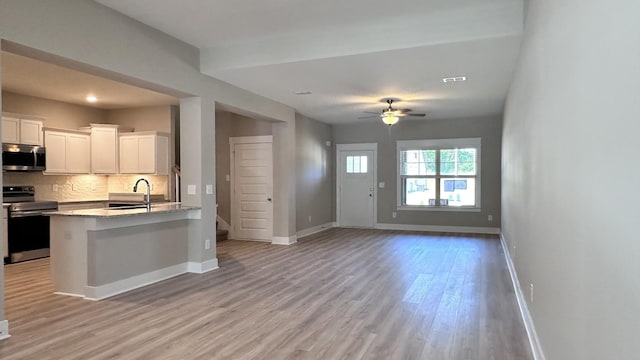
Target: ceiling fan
(391,116)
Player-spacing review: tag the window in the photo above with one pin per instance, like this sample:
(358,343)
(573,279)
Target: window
(439,174)
(356,164)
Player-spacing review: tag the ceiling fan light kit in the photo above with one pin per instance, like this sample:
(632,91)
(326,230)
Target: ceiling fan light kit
(391,116)
(389,119)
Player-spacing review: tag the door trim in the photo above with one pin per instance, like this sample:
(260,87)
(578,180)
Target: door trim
(374,167)
(232,168)
(251,139)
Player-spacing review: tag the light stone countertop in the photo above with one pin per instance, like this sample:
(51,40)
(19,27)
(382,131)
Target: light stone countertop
(126,211)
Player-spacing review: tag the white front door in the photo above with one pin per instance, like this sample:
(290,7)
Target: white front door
(252,207)
(356,187)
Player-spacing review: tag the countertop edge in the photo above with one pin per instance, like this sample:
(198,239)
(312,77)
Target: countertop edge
(114,213)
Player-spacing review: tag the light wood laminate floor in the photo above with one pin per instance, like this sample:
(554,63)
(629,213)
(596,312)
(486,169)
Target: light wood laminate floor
(339,294)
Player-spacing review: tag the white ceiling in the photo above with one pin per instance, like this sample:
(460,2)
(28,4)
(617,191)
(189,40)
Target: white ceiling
(351,54)
(32,77)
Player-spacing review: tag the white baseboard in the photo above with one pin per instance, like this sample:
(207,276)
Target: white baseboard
(203,267)
(222,225)
(67,294)
(4,329)
(439,228)
(313,230)
(534,341)
(284,240)
(134,282)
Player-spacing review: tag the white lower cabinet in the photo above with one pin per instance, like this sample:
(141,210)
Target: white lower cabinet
(67,152)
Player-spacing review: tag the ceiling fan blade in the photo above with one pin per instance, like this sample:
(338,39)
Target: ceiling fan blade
(372,112)
(368,117)
(416,114)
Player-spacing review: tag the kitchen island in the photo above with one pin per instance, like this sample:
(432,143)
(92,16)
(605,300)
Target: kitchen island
(98,253)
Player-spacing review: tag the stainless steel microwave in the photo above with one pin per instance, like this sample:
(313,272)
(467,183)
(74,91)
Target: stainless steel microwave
(17,157)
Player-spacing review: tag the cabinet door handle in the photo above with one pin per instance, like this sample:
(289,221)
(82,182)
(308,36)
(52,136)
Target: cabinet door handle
(269,199)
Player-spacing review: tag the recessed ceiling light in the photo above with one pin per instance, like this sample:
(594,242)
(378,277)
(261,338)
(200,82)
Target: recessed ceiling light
(305,92)
(454,79)
(92,99)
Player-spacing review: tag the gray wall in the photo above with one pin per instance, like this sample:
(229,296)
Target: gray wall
(571,176)
(148,118)
(231,125)
(489,129)
(314,173)
(57,114)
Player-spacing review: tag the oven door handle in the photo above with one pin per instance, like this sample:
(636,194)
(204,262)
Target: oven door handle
(21,214)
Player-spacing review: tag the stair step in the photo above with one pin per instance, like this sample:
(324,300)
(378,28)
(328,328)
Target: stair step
(221,235)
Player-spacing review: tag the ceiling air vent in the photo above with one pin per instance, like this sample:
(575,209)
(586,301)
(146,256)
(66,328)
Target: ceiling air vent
(454,79)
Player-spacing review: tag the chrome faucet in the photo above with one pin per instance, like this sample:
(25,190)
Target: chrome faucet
(148,201)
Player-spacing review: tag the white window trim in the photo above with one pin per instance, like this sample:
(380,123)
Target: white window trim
(438,144)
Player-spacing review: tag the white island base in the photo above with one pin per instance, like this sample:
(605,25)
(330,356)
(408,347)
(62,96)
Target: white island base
(99,253)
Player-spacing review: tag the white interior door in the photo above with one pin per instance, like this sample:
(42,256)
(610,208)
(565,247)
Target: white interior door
(252,207)
(356,188)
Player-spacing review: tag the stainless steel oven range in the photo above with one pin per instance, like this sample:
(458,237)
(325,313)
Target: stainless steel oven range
(28,227)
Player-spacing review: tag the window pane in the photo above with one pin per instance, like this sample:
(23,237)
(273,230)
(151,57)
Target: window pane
(412,169)
(356,164)
(363,164)
(459,191)
(429,155)
(419,191)
(448,168)
(418,162)
(431,168)
(448,155)
(349,164)
(466,162)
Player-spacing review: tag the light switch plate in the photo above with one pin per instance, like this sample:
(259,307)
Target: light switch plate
(54,187)
(209,189)
(227,177)
(191,189)
(381,185)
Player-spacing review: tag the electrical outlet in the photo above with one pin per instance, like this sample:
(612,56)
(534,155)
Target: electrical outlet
(4,328)
(490,217)
(207,244)
(394,214)
(54,187)
(531,292)
(93,186)
(227,177)
(381,185)
(209,189)
(191,189)
(75,187)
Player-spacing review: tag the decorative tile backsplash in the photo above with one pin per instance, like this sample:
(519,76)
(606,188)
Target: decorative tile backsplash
(84,187)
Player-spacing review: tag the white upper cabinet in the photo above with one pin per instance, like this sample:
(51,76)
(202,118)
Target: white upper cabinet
(10,130)
(16,130)
(144,153)
(68,152)
(104,149)
(31,132)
